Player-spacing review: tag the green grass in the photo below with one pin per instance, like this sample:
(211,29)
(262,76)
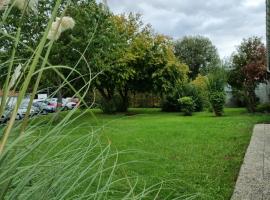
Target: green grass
(199,155)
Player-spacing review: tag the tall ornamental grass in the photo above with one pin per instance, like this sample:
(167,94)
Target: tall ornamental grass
(31,164)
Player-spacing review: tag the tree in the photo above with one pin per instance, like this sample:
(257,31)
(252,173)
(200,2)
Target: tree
(249,69)
(173,73)
(145,64)
(134,39)
(94,42)
(198,53)
(31,26)
(200,83)
(216,81)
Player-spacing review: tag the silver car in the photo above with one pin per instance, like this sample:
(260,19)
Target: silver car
(44,107)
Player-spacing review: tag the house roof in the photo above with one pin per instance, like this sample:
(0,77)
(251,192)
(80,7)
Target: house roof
(11,93)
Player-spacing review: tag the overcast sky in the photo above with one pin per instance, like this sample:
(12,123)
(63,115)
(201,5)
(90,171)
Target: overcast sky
(225,22)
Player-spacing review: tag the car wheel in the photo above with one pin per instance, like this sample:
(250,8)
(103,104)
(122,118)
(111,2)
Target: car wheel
(18,117)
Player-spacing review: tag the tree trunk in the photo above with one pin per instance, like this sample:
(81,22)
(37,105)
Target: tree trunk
(125,100)
(251,98)
(106,95)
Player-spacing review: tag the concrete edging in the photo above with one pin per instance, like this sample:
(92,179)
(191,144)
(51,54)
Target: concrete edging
(254,179)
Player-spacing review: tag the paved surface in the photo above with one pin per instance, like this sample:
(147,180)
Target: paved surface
(254,179)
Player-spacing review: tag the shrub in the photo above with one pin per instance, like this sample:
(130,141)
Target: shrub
(191,91)
(107,106)
(170,104)
(216,89)
(217,100)
(263,108)
(187,105)
(113,105)
(200,83)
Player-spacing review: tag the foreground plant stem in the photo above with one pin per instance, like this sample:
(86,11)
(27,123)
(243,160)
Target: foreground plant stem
(32,68)
(25,121)
(6,85)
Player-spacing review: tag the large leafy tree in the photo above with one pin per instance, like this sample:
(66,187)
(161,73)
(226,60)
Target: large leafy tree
(31,26)
(198,53)
(146,62)
(172,74)
(92,42)
(91,47)
(249,69)
(115,78)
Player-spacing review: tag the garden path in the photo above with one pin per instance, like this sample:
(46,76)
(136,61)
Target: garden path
(254,179)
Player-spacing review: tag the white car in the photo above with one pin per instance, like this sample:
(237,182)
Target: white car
(68,104)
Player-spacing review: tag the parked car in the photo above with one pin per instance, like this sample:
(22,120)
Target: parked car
(44,106)
(54,102)
(7,114)
(68,104)
(23,109)
(5,117)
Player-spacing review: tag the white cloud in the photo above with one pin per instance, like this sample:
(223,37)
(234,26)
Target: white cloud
(225,22)
(253,3)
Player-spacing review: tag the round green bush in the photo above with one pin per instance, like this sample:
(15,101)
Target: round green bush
(191,91)
(263,108)
(217,100)
(187,105)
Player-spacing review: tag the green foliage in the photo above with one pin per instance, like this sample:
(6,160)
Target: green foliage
(93,43)
(200,83)
(248,69)
(170,103)
(191,91)
(188,145)
(198,53)
(146,64)
(187,105)
(113,105)
(216,88)
(263,108)
(217,100)
(107,106)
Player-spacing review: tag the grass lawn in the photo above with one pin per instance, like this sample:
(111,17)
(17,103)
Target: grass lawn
(199,155)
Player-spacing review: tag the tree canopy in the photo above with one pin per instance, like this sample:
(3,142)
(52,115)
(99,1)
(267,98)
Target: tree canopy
(198,53)
(248,69)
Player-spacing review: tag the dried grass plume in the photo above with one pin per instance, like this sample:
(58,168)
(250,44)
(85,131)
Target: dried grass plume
(59,26)
(3,4)
(28,4)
